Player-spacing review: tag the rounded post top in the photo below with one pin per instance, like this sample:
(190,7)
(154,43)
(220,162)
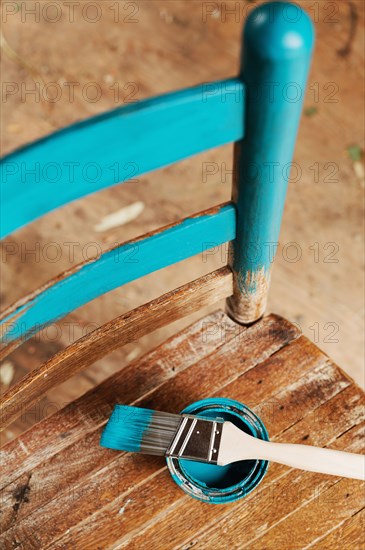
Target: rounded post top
(279,30)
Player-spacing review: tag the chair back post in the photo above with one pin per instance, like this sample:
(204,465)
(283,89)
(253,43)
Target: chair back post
(278,40)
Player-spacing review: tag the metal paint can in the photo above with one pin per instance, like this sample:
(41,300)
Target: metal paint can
(221,484)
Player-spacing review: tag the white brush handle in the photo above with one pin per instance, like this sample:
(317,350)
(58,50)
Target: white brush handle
(315,459)
(237,445)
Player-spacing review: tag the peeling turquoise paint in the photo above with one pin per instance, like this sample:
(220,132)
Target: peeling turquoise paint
(118,267)
(257,110)
(117,146)
(278,41)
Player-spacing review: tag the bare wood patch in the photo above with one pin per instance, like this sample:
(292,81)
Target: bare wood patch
(92,410)
(112,335)
(347,535)
(240,350)
(249,299)
(183,508)
(275,426)
(348,492)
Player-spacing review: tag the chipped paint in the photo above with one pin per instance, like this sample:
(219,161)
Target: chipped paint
(142,136)
(120,217)
(117,266)
(122,509)
(24,447)
(6,373)
(260,181)
(249,299)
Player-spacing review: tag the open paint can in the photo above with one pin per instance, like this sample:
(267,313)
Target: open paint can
(221,484)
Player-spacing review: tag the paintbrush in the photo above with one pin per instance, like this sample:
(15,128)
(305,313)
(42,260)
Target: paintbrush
(216,441)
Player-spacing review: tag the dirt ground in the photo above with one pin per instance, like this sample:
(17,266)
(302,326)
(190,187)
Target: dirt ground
(115,52)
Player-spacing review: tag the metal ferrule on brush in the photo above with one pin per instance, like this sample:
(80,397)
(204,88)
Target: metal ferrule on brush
(197,439)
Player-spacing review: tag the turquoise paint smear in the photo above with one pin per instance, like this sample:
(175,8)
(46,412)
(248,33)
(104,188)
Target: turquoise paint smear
(117,267)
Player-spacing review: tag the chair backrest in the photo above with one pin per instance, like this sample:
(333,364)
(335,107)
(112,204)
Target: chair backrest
(259,111)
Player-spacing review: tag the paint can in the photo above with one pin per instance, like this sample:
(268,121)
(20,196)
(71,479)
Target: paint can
(221,484)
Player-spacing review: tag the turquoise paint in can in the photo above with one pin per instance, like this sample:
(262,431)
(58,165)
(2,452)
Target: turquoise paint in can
(221,484)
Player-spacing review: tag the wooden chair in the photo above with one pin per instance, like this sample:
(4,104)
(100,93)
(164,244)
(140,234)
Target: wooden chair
(60,488)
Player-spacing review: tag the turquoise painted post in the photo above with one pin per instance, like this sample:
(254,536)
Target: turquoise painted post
(277,45)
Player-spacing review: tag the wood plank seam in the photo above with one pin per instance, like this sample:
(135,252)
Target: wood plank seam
(302,505)
(334,529)
(92,395)
(252,330)
(286,473)
(333,487)
(112,335)
(246,502)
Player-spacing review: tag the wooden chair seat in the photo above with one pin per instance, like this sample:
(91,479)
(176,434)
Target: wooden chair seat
(62,490)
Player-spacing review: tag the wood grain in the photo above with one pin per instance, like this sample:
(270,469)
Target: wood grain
(315,212)
(237,526)
(136,379)
(53,471)
(228,362)
(121,145)
(286,490)
(126,328)
(227,531)
(343,535)
(117,266)
(63,490)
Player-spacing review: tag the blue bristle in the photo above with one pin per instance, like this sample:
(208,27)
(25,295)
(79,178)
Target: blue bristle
(125,428)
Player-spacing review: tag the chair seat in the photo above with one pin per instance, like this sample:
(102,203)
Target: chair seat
(62,490)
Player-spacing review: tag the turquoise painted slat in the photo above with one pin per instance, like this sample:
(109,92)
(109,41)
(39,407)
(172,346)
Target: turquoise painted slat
(117,146)
(278,42)
(117,267)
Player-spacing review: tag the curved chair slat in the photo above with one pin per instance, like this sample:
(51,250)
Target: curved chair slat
(114,268)
(117,146)
(127,328)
